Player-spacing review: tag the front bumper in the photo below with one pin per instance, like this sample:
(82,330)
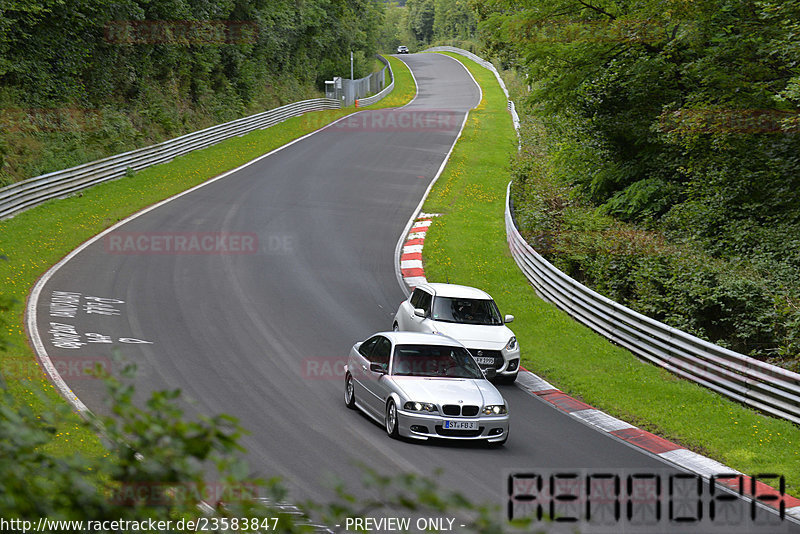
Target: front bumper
(506,362)
(424,426)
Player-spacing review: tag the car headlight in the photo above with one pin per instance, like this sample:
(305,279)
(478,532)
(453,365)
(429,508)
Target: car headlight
(495,409)
(420,407)
(512,343)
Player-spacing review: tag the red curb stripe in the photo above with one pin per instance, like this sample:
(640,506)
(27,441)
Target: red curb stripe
(415,241)
(646,440)
(411,256)
(564,402)
(418,229)
(762,490)
(657,445)
(544,391)
(412,272)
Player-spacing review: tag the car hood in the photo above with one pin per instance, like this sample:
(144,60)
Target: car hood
(490,337)
(449,390)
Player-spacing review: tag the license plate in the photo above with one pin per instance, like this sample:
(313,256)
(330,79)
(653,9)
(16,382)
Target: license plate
(461,425)
(484,360)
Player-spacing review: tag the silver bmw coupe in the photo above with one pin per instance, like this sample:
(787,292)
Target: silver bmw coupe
(424,386)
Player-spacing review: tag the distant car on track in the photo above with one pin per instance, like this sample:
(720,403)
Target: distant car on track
(402,49)
(468,315)
(424,386)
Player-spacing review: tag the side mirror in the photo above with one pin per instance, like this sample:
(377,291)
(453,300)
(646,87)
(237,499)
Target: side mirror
(419,312)
(490,373)
(377,368)
(508,319)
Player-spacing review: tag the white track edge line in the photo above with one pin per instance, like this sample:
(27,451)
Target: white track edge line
(416,85)
(33,297)
(399,247)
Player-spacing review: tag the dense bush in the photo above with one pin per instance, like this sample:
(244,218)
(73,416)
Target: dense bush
(675,281)
(667,123)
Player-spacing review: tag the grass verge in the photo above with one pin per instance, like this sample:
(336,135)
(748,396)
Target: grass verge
(467,245)
(36,239)
(404,86)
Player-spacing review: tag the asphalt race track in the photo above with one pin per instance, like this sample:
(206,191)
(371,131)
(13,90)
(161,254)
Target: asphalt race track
(258,323)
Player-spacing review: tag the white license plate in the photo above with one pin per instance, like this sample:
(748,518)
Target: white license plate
(461,425)
(484,360)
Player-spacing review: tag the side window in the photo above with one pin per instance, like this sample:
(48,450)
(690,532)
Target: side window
(366,347)
(381,353)
(425,303)
(415,297)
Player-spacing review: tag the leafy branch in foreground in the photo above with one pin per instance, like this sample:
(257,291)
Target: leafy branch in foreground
(161,465)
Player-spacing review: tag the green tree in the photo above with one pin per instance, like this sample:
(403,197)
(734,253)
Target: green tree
(453,20)
(420,19)
(678,117)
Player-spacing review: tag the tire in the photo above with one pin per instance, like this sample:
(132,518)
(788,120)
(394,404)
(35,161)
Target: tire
(391,420)
(349,392)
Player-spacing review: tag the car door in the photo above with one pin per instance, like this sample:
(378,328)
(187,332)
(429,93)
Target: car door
(359,367)
(416,323)
(406,310)
(373,385)
(377,382)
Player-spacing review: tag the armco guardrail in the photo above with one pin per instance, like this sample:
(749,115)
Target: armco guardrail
(769,388)
(28,193)
(487,65)
(361,102)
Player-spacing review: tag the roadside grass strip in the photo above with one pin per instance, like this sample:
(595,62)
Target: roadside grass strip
(33,241)
(404,87)
(467,245)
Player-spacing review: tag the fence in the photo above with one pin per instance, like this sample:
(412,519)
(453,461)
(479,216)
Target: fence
(29,193)
(769,388)
(386,90)
(348,91)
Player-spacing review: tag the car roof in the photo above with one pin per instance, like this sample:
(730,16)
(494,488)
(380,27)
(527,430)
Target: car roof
(418,338)
(456,291)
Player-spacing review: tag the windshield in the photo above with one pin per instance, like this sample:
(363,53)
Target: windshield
(466,311)
(434,360)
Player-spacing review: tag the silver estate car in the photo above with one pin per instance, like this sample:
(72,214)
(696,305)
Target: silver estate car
(424,386)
